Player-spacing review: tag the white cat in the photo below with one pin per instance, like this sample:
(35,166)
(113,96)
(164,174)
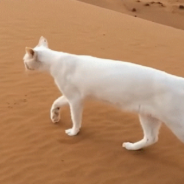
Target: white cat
(155,95)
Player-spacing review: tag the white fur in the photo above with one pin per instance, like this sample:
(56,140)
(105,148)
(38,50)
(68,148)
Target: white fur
(155,95)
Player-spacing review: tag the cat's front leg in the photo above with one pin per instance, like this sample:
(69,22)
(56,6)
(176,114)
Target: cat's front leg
(76,108)
(54,112)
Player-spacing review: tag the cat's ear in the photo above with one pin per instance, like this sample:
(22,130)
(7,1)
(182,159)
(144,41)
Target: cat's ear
(30,51)
(43,42)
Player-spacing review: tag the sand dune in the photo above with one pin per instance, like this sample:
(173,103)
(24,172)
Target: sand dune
(167,12)
(33,150)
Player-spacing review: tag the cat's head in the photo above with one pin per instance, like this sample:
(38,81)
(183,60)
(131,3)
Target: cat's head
(31,59)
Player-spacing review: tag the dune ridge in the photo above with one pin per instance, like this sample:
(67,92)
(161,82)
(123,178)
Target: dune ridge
(167,12)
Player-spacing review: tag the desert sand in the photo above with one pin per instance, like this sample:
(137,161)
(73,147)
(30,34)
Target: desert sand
(35,151)
(167,12)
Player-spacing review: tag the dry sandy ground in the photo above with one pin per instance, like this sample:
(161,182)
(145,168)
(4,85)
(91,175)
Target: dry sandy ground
(167,12)
(32,149)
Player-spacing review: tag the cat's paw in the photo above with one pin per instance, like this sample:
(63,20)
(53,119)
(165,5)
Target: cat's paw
(54,115)
(72,132)
(128,145)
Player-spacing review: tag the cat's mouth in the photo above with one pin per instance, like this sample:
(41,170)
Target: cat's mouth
(28,67)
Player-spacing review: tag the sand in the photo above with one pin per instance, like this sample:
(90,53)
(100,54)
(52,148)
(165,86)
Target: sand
(32,149)
(167,12)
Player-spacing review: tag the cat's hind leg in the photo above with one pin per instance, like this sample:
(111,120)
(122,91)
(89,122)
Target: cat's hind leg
(177,127)
(150,128)
(54,112)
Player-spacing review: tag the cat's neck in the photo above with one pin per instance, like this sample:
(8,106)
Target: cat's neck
(49,58)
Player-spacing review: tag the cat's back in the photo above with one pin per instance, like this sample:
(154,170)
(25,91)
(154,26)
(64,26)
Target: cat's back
(113,70)
(127,72)
(115,67)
